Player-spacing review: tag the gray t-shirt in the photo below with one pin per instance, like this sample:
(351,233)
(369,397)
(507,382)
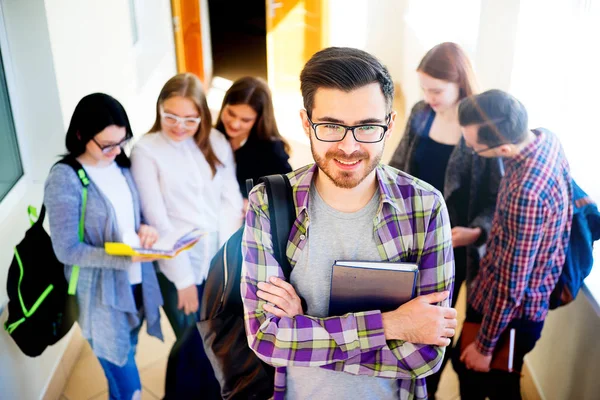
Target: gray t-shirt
(333,235)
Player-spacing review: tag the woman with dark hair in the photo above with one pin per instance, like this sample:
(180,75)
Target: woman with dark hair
(248,120)
(185,172)
(433,149)
(114,294)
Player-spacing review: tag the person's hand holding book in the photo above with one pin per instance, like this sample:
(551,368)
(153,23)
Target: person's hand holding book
(421,321)
(148,236)
(143,259)
(474,360)
(151,248)
(285,301)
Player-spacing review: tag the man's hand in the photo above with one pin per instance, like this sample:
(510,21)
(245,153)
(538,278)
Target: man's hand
(148,236)
(462,236)
(187,299)
(286,303)
(474,360)
(420,321)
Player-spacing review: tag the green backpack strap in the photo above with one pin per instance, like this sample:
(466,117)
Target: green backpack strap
(33,215)
(85,182)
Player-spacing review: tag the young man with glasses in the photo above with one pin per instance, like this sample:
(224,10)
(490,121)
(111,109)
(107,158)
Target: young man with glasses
(351,207)
(526,246)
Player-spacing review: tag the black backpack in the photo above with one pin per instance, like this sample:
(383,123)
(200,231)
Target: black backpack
(241,374)
(42,307)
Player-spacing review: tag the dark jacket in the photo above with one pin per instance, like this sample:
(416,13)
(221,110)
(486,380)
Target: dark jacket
(257,158)
(471,181)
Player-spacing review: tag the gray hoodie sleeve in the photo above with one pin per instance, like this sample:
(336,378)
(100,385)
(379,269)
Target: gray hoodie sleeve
(62,198)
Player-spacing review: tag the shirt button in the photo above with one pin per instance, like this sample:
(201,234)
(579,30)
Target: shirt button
(302,237)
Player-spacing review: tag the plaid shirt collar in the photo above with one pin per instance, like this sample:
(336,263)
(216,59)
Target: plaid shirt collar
(301,182)
(528,151)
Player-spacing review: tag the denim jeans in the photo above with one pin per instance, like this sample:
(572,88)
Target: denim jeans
(124,382)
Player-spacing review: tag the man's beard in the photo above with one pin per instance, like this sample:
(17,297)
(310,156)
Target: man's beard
(345,179)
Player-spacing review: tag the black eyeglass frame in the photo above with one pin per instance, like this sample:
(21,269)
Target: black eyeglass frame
(351,129)
(108,148)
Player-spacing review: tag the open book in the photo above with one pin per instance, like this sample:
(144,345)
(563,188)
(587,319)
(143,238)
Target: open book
(371,285)
(167,246)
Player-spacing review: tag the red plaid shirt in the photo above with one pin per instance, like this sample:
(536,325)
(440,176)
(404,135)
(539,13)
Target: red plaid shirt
(528,240)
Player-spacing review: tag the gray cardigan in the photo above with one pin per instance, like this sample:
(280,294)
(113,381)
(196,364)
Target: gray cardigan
(107,311)
(476,178)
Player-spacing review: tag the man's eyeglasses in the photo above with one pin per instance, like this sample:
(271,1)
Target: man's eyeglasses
(173,120)
(106,149)
(331,132)
(477,152)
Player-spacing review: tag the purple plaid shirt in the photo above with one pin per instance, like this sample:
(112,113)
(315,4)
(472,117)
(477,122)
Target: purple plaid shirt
(411,225)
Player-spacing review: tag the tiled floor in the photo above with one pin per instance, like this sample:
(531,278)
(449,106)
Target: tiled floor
(87,381)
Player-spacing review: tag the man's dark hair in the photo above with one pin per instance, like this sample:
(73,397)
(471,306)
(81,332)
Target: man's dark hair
(346,69)
(501,117)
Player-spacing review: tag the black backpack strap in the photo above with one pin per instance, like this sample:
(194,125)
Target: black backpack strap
(249,185)
(283,214)
(78,168)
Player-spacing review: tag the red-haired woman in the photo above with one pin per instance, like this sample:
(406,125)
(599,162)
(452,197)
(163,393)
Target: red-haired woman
(432,149)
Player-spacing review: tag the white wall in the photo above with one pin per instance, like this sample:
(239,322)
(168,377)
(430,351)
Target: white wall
(373,26)
(39,124)
(399,32)
(206,39)
(59,51)
(566,360)
(92,46)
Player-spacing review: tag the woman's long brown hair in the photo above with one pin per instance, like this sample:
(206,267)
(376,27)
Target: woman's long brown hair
(189,86)
(255,93)
(449,62)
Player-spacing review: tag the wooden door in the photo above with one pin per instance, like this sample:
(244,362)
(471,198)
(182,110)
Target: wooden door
(296,29)
(188,37)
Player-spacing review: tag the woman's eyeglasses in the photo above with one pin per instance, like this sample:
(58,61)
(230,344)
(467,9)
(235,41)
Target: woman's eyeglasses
(106,149)
(173,120)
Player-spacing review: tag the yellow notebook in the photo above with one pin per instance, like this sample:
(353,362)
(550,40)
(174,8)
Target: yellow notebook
(168,246)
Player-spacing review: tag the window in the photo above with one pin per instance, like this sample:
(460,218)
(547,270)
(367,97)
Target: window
(11,168)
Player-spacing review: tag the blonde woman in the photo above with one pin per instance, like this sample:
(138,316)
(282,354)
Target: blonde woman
(185,172)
